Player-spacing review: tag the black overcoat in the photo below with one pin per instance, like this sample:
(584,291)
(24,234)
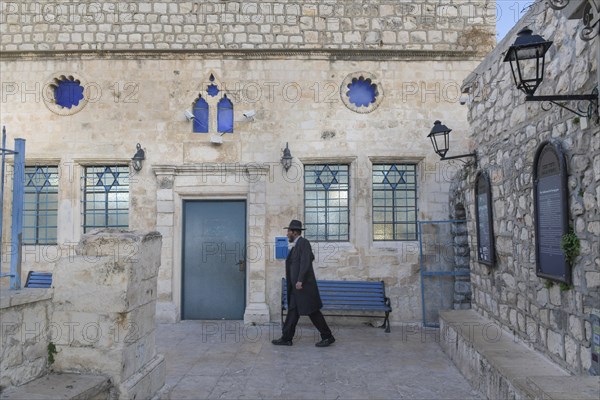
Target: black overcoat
(299,268)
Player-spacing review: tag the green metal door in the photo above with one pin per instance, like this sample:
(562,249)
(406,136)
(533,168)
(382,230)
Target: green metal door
(214,267)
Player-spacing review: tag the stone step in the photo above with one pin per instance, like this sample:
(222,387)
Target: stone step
(61,386)
(502,368)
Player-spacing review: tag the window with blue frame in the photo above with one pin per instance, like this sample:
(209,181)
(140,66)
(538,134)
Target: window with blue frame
(212,89)
(105,197)
(395,202)
(326,202)
(362,92)
(204,110)
(68,92)
(40,205)
(201,115)
(225,115)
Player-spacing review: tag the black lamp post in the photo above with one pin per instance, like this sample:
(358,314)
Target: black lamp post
(287,158)
(527,57)
(440,139)
(138,158)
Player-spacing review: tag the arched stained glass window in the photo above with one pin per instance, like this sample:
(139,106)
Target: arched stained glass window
(212,89)
(225,115)
(201,116)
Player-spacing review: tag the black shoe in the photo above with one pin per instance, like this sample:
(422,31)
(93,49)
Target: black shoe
(281,342)
(325,342)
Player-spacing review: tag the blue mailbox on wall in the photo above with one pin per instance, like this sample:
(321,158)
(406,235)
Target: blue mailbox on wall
(281,248)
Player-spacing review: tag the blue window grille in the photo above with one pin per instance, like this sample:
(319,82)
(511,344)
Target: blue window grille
(395,202)
(106,197)
(362,92)
(225,115)
(201,116)
(326,202)
(40,205)
(212,89)
(68,92)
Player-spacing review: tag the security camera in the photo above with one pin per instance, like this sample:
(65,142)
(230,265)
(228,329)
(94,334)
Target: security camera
(216,139)
(249,114)
(188,115)
(464,98)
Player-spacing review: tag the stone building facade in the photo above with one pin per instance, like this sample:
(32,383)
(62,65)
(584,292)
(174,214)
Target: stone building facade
(286,65)
(506,132)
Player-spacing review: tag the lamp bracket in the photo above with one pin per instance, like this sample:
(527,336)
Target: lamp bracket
(592,99)
(586,10)
(474,155)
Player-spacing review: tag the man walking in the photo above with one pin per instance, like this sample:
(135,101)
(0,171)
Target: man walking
(302,291)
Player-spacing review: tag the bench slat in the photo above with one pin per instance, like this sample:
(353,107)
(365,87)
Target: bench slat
(353,308)
(349,283)
(41,280)
(354,286)
(350,301)
(348,296)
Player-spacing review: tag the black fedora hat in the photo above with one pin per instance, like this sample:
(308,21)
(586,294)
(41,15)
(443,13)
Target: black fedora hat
(295,225)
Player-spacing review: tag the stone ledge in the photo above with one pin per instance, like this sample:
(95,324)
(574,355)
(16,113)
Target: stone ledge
(147,382)
(61,386)
(13,298)
(253,54)
(502,368)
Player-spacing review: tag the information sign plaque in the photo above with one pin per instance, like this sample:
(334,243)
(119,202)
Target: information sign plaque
(551,212)
(485,222)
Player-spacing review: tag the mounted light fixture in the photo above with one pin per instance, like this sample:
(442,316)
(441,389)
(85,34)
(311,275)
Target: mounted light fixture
(287,158)
(138,158)
(527,57)
(440,139)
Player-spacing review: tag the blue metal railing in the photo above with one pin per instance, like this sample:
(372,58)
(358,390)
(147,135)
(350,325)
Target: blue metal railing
(429,274)
(17,208)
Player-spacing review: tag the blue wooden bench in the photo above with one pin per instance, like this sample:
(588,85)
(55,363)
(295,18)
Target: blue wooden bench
(349,296)
(39,280)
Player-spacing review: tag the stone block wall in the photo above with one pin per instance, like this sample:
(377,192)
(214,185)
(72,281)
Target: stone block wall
(463,25)
(297,101)
(107,296)
(506,132)
(461,251)
(25,334)
(100,315)
(144,63)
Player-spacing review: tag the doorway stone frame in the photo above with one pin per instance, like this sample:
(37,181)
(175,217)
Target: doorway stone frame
(210,181)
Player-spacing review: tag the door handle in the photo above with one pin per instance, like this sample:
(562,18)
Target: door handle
(241,265)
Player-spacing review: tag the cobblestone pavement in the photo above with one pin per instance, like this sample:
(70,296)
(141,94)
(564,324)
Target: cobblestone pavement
(229,360)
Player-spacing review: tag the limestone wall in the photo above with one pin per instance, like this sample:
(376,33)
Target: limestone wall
(463,25)
(506,132)
(143,63)
(297,100)
(106,296)
(100,316)
(26,332)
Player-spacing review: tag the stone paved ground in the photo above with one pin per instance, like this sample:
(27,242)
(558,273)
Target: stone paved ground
(227,360)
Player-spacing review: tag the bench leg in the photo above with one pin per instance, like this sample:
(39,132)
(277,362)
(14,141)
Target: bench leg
(386,322)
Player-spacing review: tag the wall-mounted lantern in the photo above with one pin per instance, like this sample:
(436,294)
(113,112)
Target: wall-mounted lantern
(527,58)
(138,158)
(287,158)
(440,139)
